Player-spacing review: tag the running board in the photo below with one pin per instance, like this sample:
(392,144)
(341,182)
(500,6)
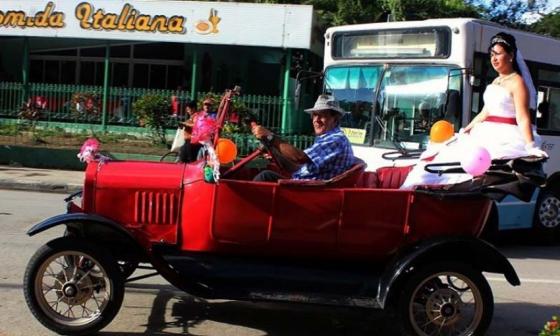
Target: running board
(322,299)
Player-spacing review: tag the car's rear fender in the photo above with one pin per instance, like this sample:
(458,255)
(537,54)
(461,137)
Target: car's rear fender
(475,252)
(95,228)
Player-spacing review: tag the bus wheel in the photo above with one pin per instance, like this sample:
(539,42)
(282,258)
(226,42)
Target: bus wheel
(547,214)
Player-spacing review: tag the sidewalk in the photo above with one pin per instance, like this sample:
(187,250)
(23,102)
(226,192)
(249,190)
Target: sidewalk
(45,180)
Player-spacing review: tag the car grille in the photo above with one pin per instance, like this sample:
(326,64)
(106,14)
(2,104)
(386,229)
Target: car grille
(155,207)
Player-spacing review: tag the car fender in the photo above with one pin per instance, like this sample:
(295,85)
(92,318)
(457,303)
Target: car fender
(97,226)
(74,218)
(475,252)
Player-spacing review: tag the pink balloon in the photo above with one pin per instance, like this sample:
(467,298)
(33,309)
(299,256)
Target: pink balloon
(476,160)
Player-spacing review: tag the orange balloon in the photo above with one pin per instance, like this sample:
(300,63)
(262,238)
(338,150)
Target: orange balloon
(226,150)
(441,131)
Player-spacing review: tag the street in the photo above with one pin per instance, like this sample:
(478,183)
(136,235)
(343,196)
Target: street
(152,307)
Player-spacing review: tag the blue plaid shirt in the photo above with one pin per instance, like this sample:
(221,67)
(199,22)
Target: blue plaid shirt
(330,155)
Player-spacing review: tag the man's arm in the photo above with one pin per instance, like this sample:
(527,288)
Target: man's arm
(291,153)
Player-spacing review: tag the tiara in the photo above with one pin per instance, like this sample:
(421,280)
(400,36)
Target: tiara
(499,39)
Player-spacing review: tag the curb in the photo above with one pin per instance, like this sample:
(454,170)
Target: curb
(40,186)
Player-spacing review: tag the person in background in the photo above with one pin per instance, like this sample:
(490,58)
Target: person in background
(208,107)
(330,154)
(189,151)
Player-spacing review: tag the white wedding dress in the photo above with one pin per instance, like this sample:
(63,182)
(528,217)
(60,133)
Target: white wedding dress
(503,140)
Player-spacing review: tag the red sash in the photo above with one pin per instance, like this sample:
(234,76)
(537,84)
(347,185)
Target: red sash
(501,120)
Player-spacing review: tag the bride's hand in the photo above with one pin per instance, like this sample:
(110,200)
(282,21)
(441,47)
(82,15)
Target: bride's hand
(533,150)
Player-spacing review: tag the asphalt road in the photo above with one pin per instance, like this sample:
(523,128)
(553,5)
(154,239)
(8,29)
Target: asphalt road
(152,307)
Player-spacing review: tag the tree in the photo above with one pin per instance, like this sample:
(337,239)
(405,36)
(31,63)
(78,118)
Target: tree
(510,13)
(548,24)
(401,10)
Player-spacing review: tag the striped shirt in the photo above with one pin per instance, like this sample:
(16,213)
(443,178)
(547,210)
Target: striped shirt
(330,155)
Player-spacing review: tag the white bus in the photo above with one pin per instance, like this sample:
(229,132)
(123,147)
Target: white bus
(397,78)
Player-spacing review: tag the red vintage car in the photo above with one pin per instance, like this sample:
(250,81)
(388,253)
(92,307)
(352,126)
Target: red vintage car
(355,240)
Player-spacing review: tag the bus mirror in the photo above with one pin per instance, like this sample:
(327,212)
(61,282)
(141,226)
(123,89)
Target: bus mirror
(474,81)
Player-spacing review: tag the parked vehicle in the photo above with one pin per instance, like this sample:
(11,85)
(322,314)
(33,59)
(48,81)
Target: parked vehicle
(355,240)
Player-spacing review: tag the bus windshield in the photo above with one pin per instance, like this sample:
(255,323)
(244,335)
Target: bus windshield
(410,99)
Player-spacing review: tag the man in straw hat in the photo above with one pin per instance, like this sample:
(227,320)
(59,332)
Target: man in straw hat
(330,154)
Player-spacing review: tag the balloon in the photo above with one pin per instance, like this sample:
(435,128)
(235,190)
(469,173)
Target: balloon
(441,131)
(226,151)
(476,160)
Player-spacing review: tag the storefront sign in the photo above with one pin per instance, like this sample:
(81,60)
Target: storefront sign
(46,18)
(287,26)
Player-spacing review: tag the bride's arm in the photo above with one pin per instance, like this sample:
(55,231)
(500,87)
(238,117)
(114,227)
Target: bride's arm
(479,118)
(522,114)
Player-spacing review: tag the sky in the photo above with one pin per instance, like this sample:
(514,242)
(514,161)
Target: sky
(553,4)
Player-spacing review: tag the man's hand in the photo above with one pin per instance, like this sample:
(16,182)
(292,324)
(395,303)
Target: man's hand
(260,132)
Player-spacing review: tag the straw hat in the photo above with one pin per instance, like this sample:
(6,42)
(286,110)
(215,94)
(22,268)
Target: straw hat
(326,103)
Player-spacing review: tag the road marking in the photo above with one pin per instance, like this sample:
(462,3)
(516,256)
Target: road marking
(538,281)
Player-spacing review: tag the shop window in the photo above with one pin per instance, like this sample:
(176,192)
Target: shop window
(222,78)
(175,77)
(87,73)
(119,74)
(52,72)
(264,78)
(140,76)
(120,51)
(36,71)
(91,73)
(93,52)
(157,76)
(169,51)
(66,52)
(68,72)
(99,71)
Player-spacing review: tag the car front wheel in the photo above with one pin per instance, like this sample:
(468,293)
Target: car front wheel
(72,287)
(445,298)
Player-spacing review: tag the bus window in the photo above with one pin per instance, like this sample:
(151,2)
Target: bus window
(553,112)
(412,98)
(548,109)
(354,88)
(425,42)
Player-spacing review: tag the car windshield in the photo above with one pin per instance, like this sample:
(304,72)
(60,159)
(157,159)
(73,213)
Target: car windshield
(411,98)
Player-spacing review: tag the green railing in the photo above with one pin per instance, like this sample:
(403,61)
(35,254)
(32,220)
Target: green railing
(117,139)
(58,102)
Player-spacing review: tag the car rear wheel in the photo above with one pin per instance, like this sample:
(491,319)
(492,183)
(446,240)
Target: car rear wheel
(445,298)
(73,288)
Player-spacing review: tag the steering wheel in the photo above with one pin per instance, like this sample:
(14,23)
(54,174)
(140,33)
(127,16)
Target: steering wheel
(264,149)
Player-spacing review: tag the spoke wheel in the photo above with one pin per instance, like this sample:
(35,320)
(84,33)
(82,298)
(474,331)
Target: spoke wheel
(548,211)
(73,288)
(446,299)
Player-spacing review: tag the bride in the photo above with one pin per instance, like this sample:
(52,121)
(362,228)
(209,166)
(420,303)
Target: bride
(503,126)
